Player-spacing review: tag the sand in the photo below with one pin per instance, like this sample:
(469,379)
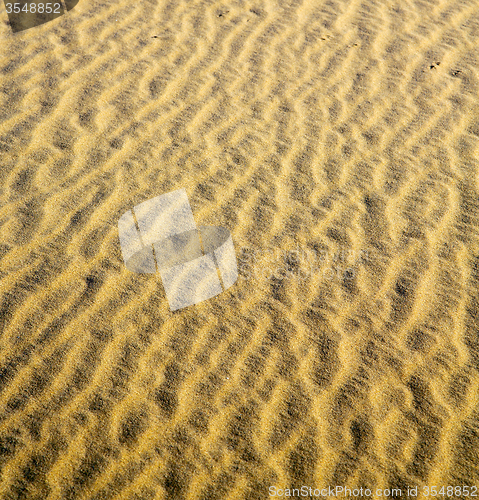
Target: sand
(337,141)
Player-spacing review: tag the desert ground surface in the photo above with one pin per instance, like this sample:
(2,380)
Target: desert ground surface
(337,141)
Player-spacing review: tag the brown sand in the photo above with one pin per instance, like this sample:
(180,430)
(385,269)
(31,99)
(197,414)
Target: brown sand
(341,129)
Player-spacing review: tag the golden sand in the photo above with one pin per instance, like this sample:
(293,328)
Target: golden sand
(337,141)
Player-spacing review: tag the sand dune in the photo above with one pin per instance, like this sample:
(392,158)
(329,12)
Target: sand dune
(337,142)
